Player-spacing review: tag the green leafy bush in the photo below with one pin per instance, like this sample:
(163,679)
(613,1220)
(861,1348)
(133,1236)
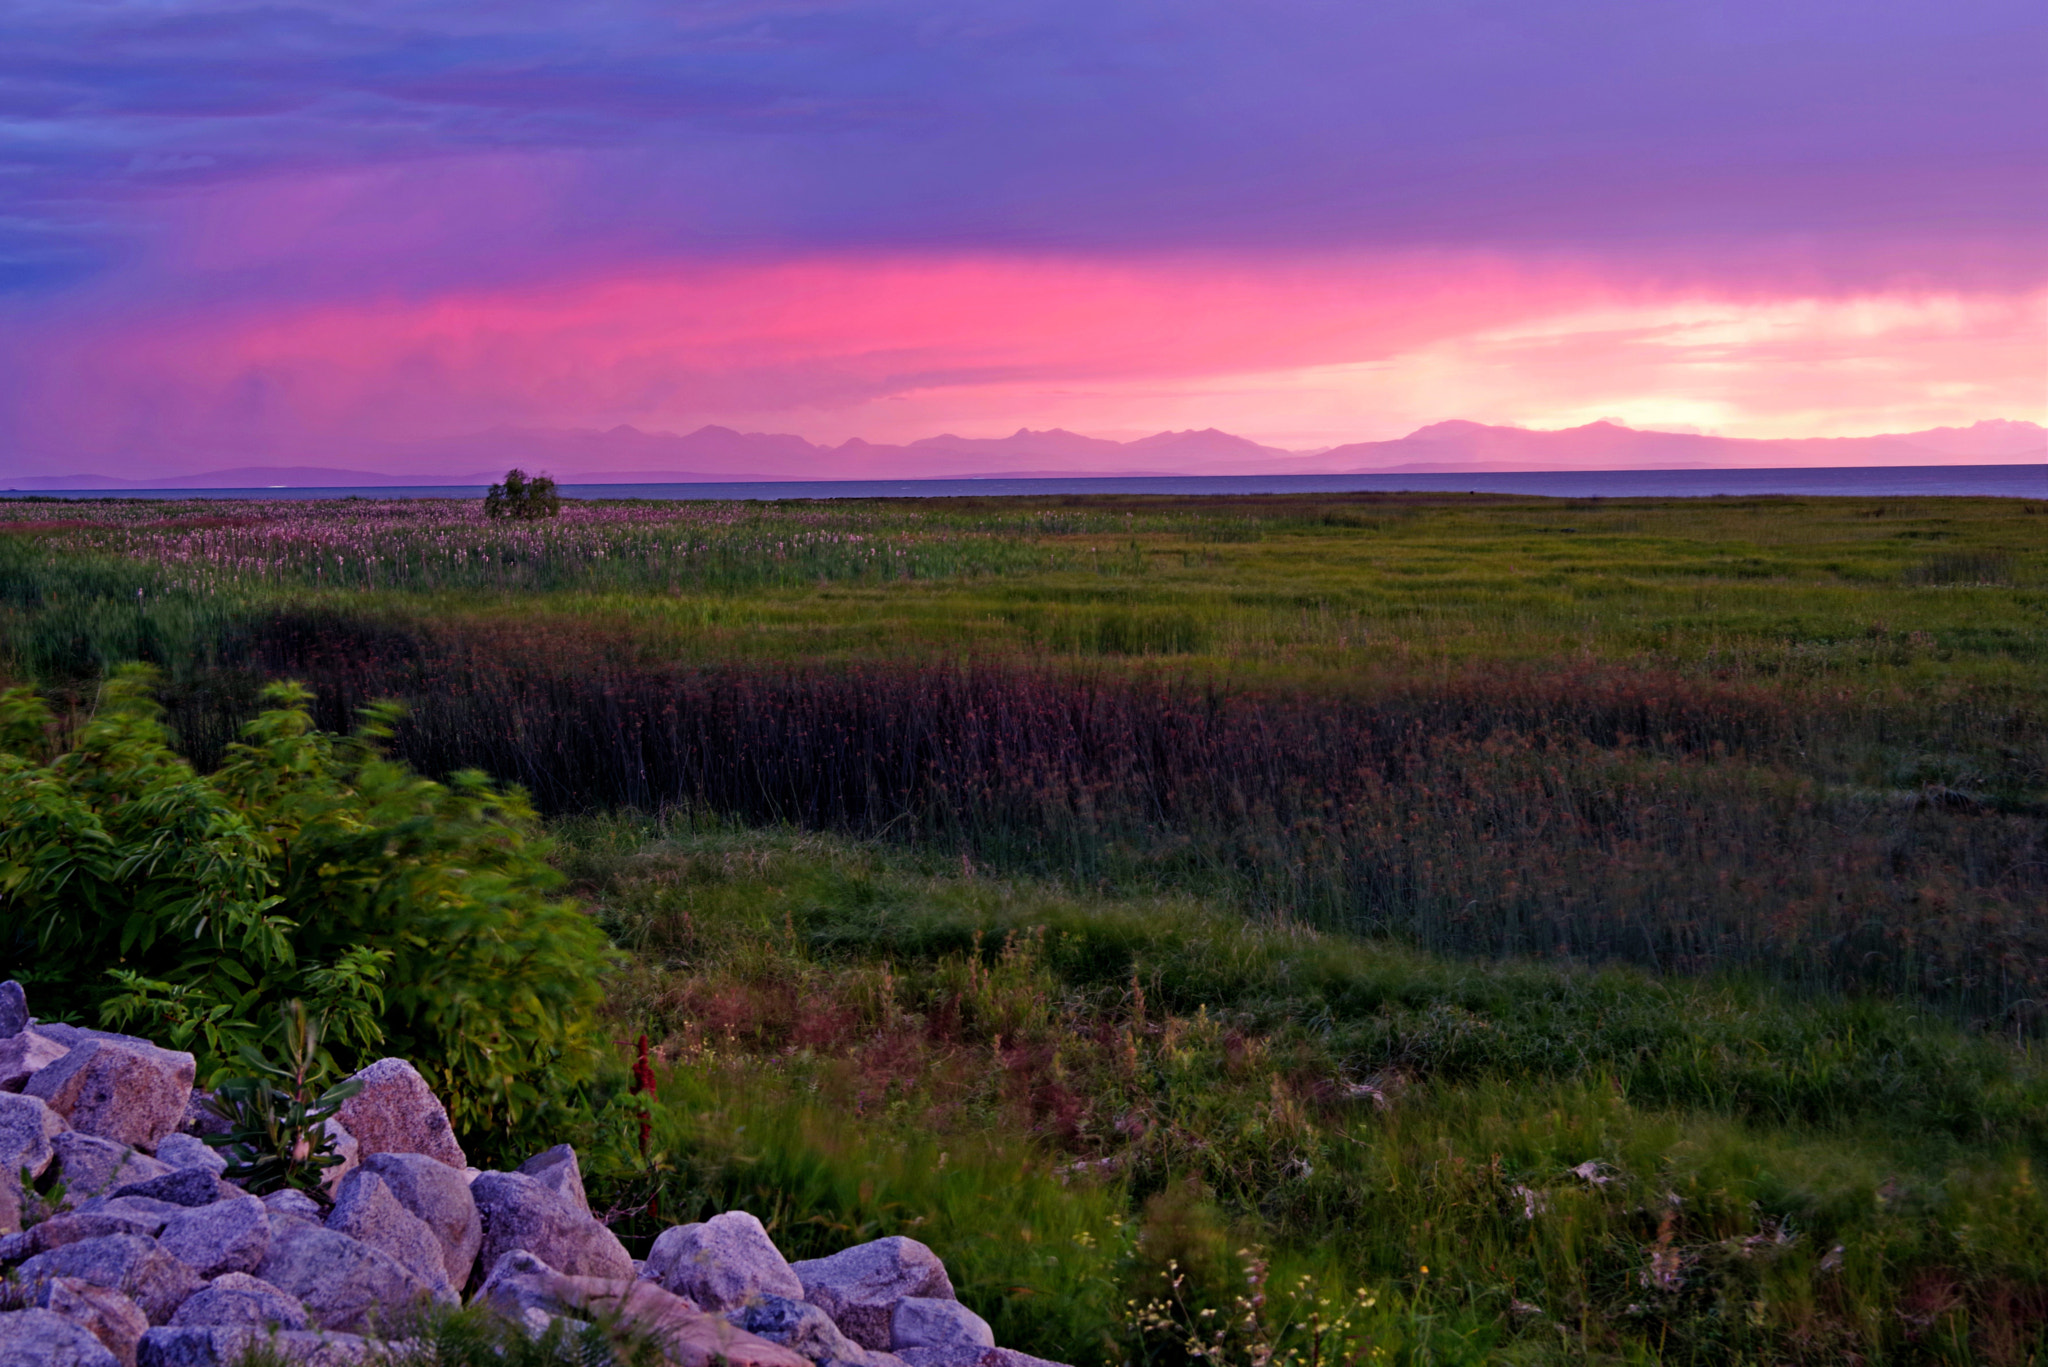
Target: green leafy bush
(413,917)
(276,1119)
(523,498)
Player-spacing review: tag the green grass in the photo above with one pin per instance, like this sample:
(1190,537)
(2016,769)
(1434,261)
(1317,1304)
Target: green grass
(1763,782)
(861,1043)
(1869,591)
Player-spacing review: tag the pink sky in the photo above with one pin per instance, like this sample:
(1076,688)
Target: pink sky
(1303,353)
(238,233)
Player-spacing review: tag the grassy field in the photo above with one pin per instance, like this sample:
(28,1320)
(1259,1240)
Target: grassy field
(1080,1100)
(1604,930)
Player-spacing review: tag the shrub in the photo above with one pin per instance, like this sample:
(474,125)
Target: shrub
(413,916)
(276,1121)
(527,500)
(1600,814)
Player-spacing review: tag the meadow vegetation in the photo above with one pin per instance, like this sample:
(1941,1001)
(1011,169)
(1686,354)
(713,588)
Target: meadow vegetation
(1604,930)
(1080,1099)
(306,871)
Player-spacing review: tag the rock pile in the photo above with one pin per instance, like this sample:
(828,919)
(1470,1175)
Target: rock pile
(141,1253)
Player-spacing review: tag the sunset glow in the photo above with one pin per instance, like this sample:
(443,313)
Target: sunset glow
(790,239)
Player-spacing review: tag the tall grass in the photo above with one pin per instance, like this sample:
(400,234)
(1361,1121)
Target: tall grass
(1962,568)
(436,545)
(1066,1094)
(1773,736)
(1593,813)
(1070,1008)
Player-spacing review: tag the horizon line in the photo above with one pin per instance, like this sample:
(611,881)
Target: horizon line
(1950,469)
(1451,446)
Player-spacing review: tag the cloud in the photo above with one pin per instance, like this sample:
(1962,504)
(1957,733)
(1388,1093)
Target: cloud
(1076,125)
(794,338)
(246,224)
(1297,352)
(1809,366)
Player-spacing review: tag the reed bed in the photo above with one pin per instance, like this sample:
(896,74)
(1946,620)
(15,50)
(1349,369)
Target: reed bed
(1016,830)
(436,545)
(1592,814)
(1799,739)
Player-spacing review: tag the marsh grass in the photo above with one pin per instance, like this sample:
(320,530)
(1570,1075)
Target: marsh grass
(1077,1099)
(1599,813)
(444,545)
(1963,568)
(1773,736)
(1805,595)
(1593,930)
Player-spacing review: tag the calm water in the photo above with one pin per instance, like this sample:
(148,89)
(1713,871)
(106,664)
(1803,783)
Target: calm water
(1975,481)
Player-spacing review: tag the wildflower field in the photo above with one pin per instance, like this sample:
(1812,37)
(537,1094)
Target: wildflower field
(1559,931)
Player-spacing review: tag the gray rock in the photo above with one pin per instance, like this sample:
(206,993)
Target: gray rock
(41,1338)
(293,1202)
(27,1127)
(344,1283)
(396,1112)
(24,1055)
(201,1119)
(184,1187)
(138,1207)
(76,1226)
(128,1263)
(803,1328)
(860,1287)
(1010,1357)
(939,1357)
(959,1355)
(965,1355)
(923,1322)
(518,1212)
(519,1287)
(227,1236)
(367,1210)
(11,1200)
(13,1009)
(721,1263)
(184,1151)
(131,1093)
(229,1346)
(345,1147)
(439,1195)
(236,1298)
(90,1166)
(108,1316)
(70,1036)
(558,1171)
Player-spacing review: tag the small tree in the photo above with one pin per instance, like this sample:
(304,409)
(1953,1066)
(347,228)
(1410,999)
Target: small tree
(526,499)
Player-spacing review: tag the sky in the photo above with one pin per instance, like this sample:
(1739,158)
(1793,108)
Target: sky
(235,232)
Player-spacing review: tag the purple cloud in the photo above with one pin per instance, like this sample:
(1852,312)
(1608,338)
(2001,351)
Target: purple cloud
(1616,127)
(305,190)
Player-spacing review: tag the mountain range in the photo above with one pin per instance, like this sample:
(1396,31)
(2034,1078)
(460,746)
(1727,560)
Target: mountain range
(626,455)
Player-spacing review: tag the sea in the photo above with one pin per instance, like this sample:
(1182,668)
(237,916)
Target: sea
(1890,481)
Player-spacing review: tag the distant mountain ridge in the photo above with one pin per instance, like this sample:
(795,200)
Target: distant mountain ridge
(626,455)
(1452,446)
